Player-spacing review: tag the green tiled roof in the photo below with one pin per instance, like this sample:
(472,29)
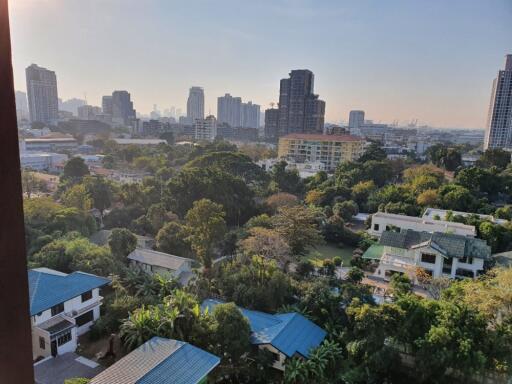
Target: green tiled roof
(448,244)
(374,252)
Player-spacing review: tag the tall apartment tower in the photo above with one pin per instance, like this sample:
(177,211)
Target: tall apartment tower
(205,129)
(271,124)
(250,116)
(106,105)
(499,121)
(195,104)
(122,107)
(300,110)
(21,105)
(355,122)
(43,99)
(229,110)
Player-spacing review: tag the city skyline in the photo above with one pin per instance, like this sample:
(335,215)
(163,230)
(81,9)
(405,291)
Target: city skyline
(361,57)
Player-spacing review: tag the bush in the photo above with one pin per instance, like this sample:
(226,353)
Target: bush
(337,260)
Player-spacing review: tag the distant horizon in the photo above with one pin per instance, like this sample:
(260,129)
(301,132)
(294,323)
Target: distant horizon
(390,60)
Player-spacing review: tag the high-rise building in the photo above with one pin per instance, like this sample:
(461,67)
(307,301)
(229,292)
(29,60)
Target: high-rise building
(300,110)
(122,108)
(271,124)
(250,115)
(21,105)
(355,122)
(229,110)
(499,121)
(106,105)
(205,129)
(88,112)
(42,93)
(195,104)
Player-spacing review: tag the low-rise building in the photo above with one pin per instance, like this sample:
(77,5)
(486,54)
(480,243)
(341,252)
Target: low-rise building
(62,307)
(161,361)
(42,161)
(49,144)
(438,254)
(382,221)
(164,264)
(285,335)
(149,142)
(442,214)
(327,149)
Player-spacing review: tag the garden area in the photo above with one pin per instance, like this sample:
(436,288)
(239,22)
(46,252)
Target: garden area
(328,251)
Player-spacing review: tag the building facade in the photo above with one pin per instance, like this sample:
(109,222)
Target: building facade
(62,307)
(229,110)
(195,104)
(250,115)
(499,121)
(327,149)
(355,121)
(43,99)
(205,129)
(383,221)
(438,254)
(122,108)
(106,105)
(271,124)
(300,110)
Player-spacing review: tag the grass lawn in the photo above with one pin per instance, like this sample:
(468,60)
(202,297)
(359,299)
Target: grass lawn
(328,251)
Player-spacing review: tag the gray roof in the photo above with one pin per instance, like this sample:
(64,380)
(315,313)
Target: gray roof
(160,259)
(448,244)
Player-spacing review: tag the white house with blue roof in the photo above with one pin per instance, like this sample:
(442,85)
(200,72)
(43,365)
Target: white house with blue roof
(285,335)
(62,307)
(161,361)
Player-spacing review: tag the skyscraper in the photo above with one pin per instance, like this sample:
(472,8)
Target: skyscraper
(229,110)
(42,93)
(106,105)
(21,105)
(195,104)
(355,122)
(499,121)
(300,110)
(250,115)
(271,124)
(122,107)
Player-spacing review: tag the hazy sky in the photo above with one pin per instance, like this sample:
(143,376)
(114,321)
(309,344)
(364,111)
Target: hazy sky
(433,60)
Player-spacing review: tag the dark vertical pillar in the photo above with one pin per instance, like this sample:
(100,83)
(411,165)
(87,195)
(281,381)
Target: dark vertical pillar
(15,333)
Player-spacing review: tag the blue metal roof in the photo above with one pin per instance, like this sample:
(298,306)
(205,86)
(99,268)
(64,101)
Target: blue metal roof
(187,365)
(290,333)
(47,289)
(160,361)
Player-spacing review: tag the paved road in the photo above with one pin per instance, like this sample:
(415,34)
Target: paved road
(66,366)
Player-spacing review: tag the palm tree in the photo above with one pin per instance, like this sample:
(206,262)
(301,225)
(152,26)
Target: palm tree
(142,324)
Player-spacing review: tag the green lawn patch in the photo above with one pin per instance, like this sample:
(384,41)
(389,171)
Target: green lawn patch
(328,251)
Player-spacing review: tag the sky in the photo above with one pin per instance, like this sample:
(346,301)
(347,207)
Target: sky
(431,60)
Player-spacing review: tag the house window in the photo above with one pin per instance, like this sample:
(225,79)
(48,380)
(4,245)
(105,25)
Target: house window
(65,338)
(86,296)
(375,227)
(447,265)
(466,260)
(84,319)
(56,309)
(428,258)
(42,342)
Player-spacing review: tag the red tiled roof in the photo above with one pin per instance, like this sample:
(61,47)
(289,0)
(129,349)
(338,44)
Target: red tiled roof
(308,136)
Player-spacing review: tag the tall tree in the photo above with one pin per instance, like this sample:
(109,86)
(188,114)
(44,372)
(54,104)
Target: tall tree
(75,168)
(206,227)
(121,242)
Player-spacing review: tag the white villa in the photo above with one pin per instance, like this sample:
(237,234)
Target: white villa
(441,214)
(163,264)
(439,254)
(62,307)
(382,221)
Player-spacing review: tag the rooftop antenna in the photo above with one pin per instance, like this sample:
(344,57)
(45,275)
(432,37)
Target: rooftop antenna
(272,104)
(85,97)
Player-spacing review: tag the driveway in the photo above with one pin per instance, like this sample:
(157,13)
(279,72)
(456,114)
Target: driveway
(66,366)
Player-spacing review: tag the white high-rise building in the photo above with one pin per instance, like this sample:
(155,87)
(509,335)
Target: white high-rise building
(21,105)
(499,121)
(195,104)
(43,99)
(229,110)
(205,129)
(250,115)
(355,122)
